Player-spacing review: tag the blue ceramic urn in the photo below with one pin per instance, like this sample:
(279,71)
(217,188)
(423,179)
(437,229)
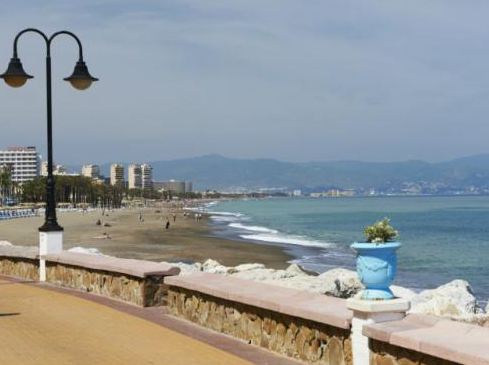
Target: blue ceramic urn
(376,268)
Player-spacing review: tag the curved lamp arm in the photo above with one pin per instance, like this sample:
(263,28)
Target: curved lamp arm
(80,47)
(34,30)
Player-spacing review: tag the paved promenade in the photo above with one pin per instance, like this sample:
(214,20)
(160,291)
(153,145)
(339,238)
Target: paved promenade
(39,325)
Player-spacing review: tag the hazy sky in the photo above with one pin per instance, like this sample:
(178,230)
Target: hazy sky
(294,80)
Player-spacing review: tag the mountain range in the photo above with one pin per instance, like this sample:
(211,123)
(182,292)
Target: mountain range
(468,174)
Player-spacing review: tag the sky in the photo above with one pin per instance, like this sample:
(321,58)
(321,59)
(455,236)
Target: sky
(293,80)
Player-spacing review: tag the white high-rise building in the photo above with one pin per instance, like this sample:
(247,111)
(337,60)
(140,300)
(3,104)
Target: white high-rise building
(147,176)
(116,174)
(91,171)
(134,176)
(23,162)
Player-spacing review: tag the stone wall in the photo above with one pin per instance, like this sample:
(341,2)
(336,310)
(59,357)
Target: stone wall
(147,291)
(309,341)
(382,353)
(20,267)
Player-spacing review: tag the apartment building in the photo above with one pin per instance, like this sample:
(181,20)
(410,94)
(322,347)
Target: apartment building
(23,162)
(116,174)
(91,171)
(134,176)
(146,176)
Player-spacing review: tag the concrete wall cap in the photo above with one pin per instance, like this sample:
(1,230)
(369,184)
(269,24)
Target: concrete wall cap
(378,306)
(443,338)
(137,268)
(21,252)
(315,307)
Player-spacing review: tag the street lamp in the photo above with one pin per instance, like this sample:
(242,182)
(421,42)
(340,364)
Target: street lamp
(81,79)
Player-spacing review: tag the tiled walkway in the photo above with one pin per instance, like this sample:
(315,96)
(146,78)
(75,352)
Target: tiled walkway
(39,325)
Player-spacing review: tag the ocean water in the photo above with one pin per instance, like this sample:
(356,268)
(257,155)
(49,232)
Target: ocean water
(444,238)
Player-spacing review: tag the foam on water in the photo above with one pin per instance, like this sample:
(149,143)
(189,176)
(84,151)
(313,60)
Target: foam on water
(260,233)
(227,214)
(223,219)
(253,228)
(285,239)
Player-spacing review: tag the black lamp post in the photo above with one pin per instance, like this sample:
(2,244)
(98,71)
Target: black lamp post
(81,79)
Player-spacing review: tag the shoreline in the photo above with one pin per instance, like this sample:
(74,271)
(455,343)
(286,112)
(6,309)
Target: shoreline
(187,240)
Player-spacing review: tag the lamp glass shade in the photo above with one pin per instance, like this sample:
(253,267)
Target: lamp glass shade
(80,79)
(81,84)
(15,75)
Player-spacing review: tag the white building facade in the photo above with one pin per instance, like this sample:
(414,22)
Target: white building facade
(23,162)
(57,169)
(134,176)
(91,171)
(178,187)
(147,176)
(116,174)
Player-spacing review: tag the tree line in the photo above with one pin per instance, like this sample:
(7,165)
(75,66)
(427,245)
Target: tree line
(75,190)
(78,190)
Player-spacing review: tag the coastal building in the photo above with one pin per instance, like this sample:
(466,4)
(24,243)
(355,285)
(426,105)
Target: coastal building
(146,176)
(189,186)
(116,174)
(177,187)
(134,176)
(23,162)
(91,171)
(57,169)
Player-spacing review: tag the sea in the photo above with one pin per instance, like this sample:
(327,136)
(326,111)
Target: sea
(443,237)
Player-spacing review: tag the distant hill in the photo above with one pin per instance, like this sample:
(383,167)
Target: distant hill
(218,172)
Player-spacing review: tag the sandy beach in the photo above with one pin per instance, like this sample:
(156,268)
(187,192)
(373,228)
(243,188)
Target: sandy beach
(186,240)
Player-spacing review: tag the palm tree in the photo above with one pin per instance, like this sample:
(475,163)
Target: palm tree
(5,183)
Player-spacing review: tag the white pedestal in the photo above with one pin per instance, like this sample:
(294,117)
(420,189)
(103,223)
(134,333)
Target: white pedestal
(49,243)
(368,312)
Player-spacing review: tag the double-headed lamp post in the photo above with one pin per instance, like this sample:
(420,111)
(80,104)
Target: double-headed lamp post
(81,79)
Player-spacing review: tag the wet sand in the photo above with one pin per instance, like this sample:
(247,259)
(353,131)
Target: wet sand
(186,240)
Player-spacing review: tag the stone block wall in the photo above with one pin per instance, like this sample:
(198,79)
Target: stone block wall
(309,341)
(147,291)
(20,267)
(383,353)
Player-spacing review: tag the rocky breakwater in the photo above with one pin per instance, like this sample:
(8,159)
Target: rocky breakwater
(454,300)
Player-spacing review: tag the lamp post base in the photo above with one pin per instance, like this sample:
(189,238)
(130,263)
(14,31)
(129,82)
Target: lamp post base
(49,243)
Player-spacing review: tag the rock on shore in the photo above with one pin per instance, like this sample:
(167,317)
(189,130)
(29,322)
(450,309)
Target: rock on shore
(454,299)
(337,282)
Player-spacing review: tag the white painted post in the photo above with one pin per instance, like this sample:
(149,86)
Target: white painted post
(49,243)
(368,312)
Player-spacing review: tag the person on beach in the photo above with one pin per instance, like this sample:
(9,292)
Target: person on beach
(167,226)
(174,217)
